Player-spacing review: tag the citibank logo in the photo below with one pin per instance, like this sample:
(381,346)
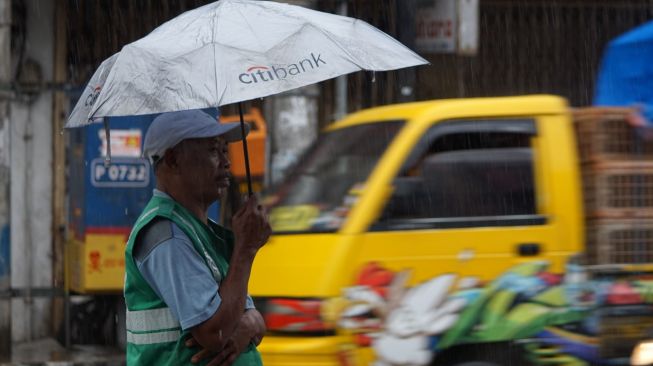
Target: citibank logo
(261,74)
(91,98)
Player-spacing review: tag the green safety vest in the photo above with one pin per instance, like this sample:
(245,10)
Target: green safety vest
(154,336)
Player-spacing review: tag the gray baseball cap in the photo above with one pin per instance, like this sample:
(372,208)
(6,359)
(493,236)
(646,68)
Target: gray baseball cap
(169,129)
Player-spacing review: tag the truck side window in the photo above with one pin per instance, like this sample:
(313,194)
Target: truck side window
(465,179)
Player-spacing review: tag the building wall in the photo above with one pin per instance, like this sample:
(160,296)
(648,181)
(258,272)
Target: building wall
(525,47)
(530,46)
(31,181)
(5,72)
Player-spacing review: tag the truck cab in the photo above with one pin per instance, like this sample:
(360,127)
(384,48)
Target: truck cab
(401,218)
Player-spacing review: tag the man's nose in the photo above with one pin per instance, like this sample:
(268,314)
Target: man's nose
(226,163)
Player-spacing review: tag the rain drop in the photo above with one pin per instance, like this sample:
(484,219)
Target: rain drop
(373,76)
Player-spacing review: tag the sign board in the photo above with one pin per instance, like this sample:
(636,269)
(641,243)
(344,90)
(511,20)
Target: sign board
(435,22)
(98,263)
(468,29)
(121,173)
(447,26)
(124,143)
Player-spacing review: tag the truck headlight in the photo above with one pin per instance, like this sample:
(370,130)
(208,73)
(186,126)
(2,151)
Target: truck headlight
(642,354)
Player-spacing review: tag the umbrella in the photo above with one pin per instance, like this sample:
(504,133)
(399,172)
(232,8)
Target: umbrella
(230,51)
(626,73)
(82,110)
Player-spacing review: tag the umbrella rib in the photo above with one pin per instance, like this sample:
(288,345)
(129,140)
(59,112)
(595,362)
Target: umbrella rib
(99,102)
(215,59)
(250,27)
(218,94)
(200,11)
(276,8)
(331,38)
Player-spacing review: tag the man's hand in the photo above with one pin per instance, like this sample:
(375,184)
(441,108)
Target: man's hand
(256,323)
(232,349)
(251,328)
(251,227)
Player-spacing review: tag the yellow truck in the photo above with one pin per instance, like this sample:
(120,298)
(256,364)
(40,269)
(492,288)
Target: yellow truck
(453,232)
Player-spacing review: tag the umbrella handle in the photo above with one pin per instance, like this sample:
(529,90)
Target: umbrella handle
(242,130)
(107,133)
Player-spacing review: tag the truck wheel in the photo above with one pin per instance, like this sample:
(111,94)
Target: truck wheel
(482,354)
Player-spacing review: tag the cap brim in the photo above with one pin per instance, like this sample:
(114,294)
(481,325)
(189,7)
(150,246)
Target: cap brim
(232,132)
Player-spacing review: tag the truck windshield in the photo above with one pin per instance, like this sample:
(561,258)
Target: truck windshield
(318,194)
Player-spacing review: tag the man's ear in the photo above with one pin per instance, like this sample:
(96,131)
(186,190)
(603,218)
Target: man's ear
(170,158)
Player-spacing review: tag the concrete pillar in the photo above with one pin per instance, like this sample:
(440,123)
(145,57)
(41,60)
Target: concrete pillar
(5,260)
(292,127)
(31,179)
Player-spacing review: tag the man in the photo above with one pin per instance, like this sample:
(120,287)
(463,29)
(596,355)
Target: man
(186,277)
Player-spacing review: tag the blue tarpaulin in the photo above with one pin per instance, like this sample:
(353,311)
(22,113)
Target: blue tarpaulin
(5,253)
(626,74)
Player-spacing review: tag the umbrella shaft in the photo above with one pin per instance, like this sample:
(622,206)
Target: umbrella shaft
(242,129)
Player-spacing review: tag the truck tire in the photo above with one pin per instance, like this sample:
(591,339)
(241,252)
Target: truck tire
(482,354)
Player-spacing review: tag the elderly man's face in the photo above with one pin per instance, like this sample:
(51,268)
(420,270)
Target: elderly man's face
(204,166)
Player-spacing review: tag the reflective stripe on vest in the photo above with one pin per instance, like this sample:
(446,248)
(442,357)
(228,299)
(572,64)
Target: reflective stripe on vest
(151,320)
(152,338)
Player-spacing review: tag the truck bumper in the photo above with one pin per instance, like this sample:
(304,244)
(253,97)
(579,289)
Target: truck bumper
(311,351)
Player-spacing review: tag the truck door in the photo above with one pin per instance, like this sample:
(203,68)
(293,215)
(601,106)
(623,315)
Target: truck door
(467,201)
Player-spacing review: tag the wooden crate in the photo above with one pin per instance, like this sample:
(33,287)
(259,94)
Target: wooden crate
(604,134)
(618,190)
(620,241)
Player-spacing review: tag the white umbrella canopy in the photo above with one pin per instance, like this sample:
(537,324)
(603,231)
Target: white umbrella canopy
(82,110)
(231,51)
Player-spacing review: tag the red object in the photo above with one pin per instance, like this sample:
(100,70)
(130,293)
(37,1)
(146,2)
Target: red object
(376,277)
(373,275)
(294,315)
(550,279)
(94,259)
(363,340)
(381,291)
(109,230)
(623,293)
